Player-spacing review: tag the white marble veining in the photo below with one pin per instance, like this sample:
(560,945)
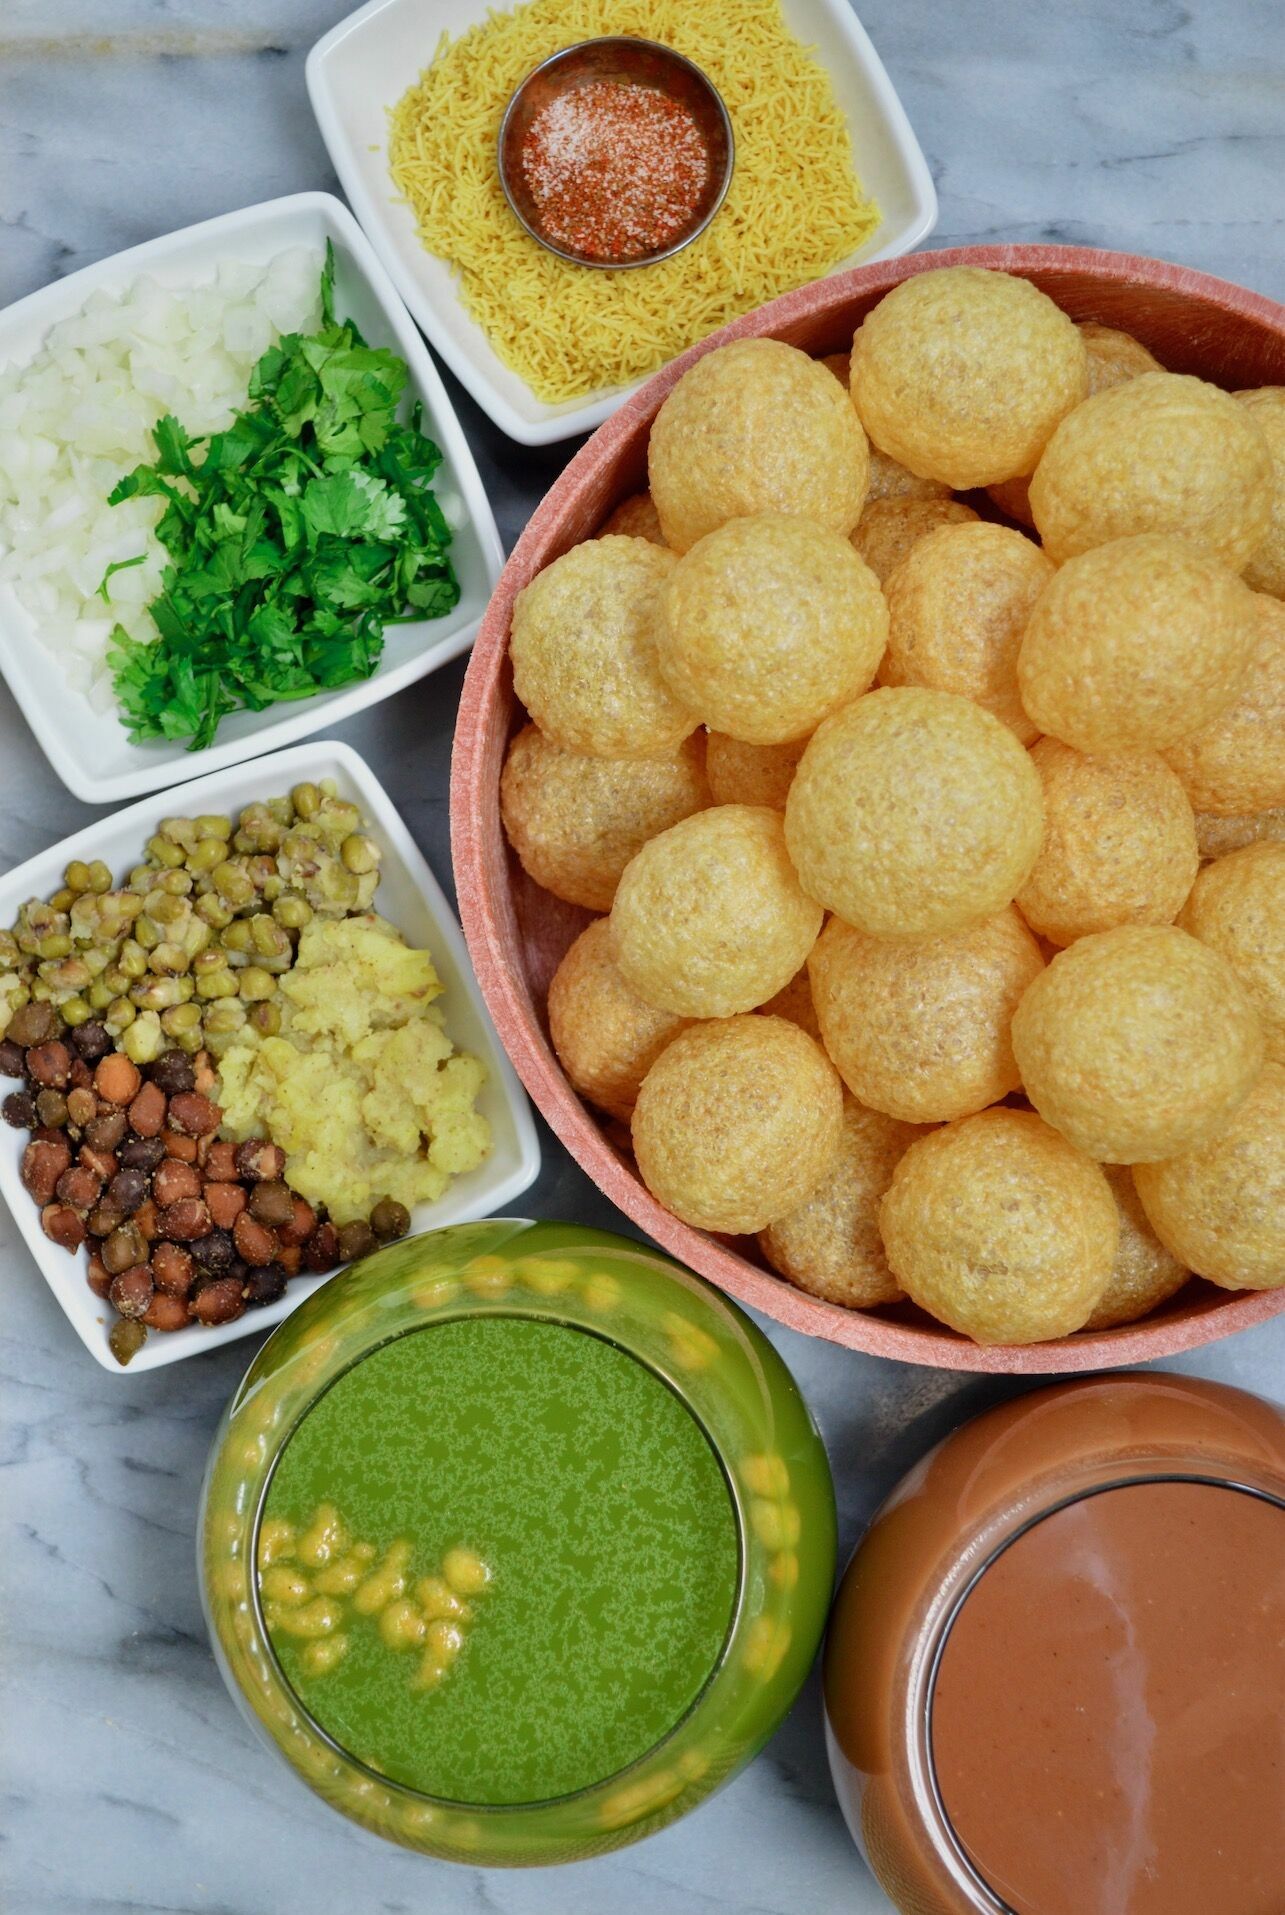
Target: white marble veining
(128,1782)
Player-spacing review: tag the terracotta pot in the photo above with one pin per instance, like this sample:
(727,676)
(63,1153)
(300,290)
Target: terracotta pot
(517,933)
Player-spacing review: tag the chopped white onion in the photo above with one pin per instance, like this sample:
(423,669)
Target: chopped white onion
(80,415)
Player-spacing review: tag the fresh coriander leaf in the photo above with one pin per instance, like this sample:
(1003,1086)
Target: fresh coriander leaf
(118,565)
(305,529)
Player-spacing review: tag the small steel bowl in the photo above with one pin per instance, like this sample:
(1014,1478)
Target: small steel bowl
(643,63)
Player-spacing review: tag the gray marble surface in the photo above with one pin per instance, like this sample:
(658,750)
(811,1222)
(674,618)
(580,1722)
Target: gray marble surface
(128,1782)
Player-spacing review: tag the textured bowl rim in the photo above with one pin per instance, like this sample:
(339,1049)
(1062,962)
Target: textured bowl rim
(485,904)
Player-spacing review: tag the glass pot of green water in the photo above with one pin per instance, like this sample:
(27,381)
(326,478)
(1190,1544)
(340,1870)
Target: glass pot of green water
(516,1542)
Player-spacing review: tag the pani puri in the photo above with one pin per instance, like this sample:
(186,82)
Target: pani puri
(1236,764)
(962,374)
(709,918)
(755,427)
(1161,453)
(888,478)
(1144,1274)
(583,646)
(745,774)
(1266,569)
(919,1027)
(913,813)
(1137,1043)
(1113,357)
(1119,844)
(1217,836)
(737,1123)
(830,1246)
(1220,1207)
(958,606)
(889,528)
(1237,908)
(1136,644)
(795,1003)
(635,518)
(575,821)
(768,625)
(999,1228)
(606,1037)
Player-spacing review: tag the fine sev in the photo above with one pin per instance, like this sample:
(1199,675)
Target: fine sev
(794,211)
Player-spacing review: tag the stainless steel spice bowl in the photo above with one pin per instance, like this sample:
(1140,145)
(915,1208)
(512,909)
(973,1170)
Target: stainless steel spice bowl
(640,63)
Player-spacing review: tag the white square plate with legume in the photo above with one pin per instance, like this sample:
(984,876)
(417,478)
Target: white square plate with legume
(43,649)
(409,897)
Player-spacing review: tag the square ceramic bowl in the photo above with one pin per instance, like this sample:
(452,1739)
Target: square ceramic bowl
(411,899)
(90,750)
(364,65)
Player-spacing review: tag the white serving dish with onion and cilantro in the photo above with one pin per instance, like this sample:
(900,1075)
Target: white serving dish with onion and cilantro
(83,737)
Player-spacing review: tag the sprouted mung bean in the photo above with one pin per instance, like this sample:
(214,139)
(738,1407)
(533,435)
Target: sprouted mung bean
(116,1006)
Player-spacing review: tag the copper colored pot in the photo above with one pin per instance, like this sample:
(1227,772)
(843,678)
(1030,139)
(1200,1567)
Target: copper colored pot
(1055,1663)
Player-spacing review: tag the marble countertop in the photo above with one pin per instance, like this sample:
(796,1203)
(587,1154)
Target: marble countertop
(128,1781)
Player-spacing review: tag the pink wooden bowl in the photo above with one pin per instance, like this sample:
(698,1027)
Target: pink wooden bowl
(518,933)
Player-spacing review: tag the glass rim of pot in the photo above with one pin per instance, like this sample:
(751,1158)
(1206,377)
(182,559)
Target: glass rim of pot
(383,1298)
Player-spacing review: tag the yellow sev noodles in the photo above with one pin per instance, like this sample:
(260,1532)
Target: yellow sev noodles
(794,210)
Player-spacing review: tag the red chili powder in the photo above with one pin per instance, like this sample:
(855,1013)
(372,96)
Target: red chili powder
(615,170)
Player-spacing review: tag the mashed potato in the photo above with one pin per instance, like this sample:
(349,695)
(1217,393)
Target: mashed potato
(363,1089)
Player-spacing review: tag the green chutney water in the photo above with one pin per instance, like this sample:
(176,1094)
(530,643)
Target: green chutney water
(595,1500)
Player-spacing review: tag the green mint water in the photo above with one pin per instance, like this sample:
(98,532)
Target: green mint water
(597,1502)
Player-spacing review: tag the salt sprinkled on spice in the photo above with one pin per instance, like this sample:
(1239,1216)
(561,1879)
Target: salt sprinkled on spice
(615,170)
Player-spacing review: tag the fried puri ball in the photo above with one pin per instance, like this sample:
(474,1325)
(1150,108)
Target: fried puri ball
(919,1027)
(1137,1043)
(890,528)
(575,821)
(958,606)
(1162,453)
(1237,908)
(635,518)
(1113,358)
(888,478)
(795,1001)
(1220,1207)
(1266,569)
(768,625)
(709,918)
(962,374)
(606,1037)
(737,1123)
(744,774)
(1136,644)
(1144,1274)
(1217,836)
(1119,844)
(755,427)
(913,813)
(830,1246)
(583,647)
(1000,1228)
(1236,764)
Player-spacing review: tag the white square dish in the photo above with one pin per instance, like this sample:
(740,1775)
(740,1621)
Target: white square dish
(411,899)
(90,750)
(364,65)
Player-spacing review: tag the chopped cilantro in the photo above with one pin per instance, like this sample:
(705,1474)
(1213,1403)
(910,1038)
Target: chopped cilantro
(305,529)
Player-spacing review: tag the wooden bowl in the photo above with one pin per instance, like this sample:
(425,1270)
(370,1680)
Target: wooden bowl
(517,933)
